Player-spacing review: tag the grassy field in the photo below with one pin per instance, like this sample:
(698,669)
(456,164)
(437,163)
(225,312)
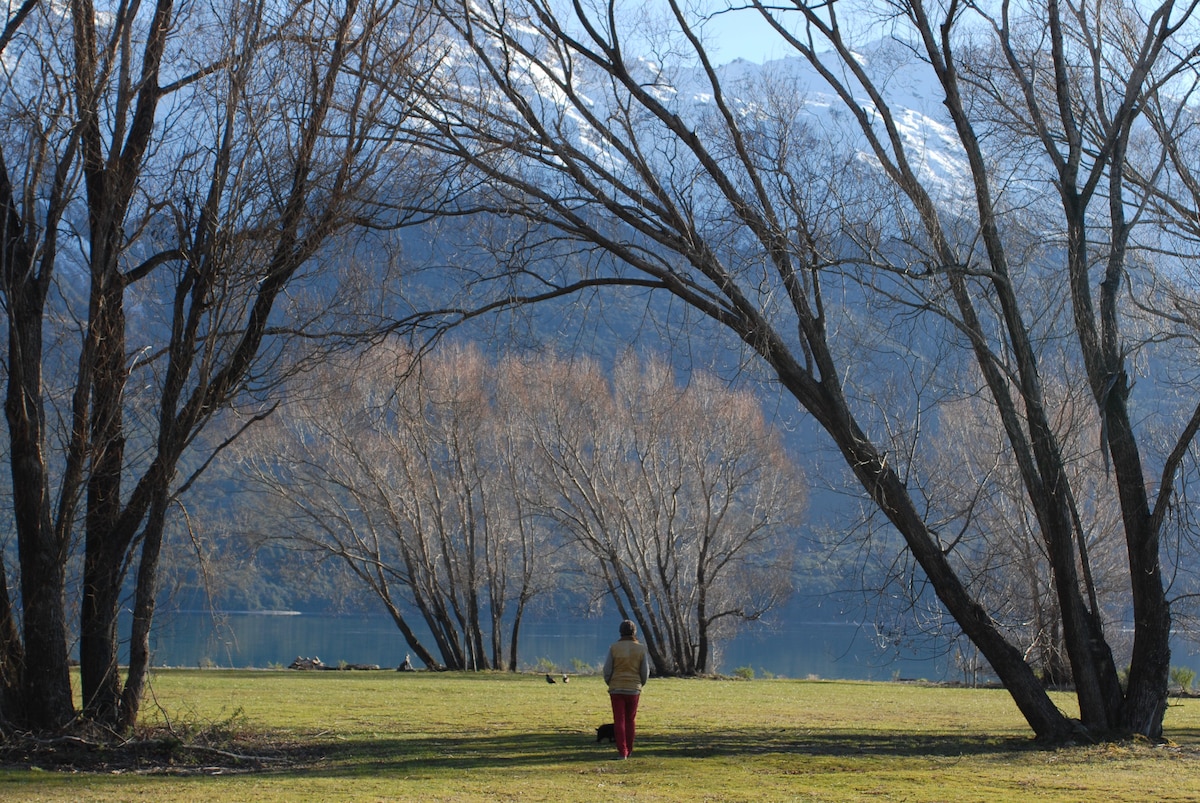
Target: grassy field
(375,736)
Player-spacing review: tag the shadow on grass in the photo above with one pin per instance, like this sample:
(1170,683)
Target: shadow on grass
(470,753)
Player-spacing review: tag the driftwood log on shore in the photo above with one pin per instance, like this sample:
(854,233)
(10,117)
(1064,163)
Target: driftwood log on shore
(316,663)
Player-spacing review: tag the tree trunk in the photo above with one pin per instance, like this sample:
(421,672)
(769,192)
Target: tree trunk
(46,688)
(515,636)
(145,598)
(105,540)
(12,658)
(1048,723)
(1092,669)
(46,700)
(703,647)
(496,623)
(410,637)
(1145,699)
(887,490)
(98,634)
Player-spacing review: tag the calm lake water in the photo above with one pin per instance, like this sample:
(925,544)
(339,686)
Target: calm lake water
(830,650)
(239,639)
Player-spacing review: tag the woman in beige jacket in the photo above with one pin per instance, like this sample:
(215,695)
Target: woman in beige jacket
(626,670)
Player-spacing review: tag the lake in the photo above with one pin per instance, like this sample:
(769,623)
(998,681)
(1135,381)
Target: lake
(821,649)
(241,639)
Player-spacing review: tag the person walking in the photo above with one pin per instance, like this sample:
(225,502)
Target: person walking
(626,670)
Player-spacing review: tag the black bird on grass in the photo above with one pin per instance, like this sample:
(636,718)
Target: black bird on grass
(550,679)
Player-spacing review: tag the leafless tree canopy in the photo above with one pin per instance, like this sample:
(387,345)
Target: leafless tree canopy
(682,501)
(175,181)
(808,218)
(459,491)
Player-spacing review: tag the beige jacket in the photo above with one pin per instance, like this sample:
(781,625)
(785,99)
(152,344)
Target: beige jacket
(627,667)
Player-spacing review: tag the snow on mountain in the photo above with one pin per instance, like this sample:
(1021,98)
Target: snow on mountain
(910,91)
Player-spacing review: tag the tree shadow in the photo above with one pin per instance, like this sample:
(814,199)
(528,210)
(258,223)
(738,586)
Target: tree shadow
(470,753)
(282,756)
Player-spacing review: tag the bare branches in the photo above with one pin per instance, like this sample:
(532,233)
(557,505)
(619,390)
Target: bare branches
(472,489)
(677,501)
(226,153)
(752,208)
(408,481)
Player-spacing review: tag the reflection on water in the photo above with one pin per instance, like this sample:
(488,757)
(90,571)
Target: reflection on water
(241,639)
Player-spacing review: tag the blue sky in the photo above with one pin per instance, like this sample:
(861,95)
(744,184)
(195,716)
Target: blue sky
(744,34)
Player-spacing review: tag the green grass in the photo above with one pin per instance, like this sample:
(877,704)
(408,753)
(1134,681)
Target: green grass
(377,736)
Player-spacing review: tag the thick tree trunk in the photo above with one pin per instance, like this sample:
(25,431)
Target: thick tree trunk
(887,490)
(1047,721)
(1145,699)
(703,644)
(496,623)
(46,700)
(1093,671)
(1150,664)
(98,633)
(1149,673)
(46,687)
(105,541)
(441,624)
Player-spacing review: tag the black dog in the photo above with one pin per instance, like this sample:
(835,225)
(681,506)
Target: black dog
(605,731)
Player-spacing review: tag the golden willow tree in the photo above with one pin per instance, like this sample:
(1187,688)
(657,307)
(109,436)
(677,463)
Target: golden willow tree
(681,503)
(459,491)
(1031,226)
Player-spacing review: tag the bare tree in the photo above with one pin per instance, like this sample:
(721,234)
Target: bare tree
(995,532)
(586,120)
(453,490)
(407,475)
(172,178)
(681,500)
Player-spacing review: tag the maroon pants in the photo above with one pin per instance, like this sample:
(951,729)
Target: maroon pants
(624,707)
